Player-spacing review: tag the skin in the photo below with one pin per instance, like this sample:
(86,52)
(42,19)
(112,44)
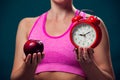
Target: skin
(95,62)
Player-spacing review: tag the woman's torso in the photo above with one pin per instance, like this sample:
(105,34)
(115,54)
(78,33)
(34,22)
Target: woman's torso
(57,76)
(54,75)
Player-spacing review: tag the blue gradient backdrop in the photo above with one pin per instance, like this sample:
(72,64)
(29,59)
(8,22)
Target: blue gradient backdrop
(12,11)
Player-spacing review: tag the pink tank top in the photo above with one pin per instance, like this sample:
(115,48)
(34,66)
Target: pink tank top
(59,51)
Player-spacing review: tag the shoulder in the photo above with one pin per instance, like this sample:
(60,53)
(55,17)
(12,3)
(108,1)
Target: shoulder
(102,24)
(105,35)
(26,24)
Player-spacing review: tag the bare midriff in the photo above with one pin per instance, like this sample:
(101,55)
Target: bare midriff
(57,76)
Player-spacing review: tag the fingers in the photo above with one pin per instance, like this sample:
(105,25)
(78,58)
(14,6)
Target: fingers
(80,54)
(84,54)
(76,50)
(90,51)
(34,58)
(39,57)
(28,59)
(42,55)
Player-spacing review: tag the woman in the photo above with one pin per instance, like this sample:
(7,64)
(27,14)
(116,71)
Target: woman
(60,61)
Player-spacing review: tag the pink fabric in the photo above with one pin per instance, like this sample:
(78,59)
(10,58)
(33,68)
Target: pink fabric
(59,51)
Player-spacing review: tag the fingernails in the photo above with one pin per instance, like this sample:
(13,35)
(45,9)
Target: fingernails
(38,53)
(42,55)
(91,51)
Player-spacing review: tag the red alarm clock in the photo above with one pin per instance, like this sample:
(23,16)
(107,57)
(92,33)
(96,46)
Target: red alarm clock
(86,32)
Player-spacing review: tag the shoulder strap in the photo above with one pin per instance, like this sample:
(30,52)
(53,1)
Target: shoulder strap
(36,24)
(78,12)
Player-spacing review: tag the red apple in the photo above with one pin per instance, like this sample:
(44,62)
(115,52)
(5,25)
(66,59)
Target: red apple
(33,46)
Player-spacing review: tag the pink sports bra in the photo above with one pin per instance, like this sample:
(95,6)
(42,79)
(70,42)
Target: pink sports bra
(59,51)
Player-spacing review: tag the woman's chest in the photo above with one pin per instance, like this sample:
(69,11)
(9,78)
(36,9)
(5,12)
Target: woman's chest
(56,28)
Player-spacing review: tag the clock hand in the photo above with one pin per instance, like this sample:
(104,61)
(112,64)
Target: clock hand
(82,35)
(87,33)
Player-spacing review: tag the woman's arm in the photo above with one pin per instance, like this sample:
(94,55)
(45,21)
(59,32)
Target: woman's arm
(97,62)
(23,69)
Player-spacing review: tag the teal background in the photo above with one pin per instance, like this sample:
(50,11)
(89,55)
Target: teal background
(12,11)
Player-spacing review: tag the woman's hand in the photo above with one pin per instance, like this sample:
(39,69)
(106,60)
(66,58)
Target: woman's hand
(85,56)
(31,61)
(88,64)
(27,69)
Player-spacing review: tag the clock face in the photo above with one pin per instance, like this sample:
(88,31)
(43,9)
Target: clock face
(83,35)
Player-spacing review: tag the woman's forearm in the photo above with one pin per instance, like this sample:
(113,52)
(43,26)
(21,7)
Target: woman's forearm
(22,74)
(21,77)
(94,73)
